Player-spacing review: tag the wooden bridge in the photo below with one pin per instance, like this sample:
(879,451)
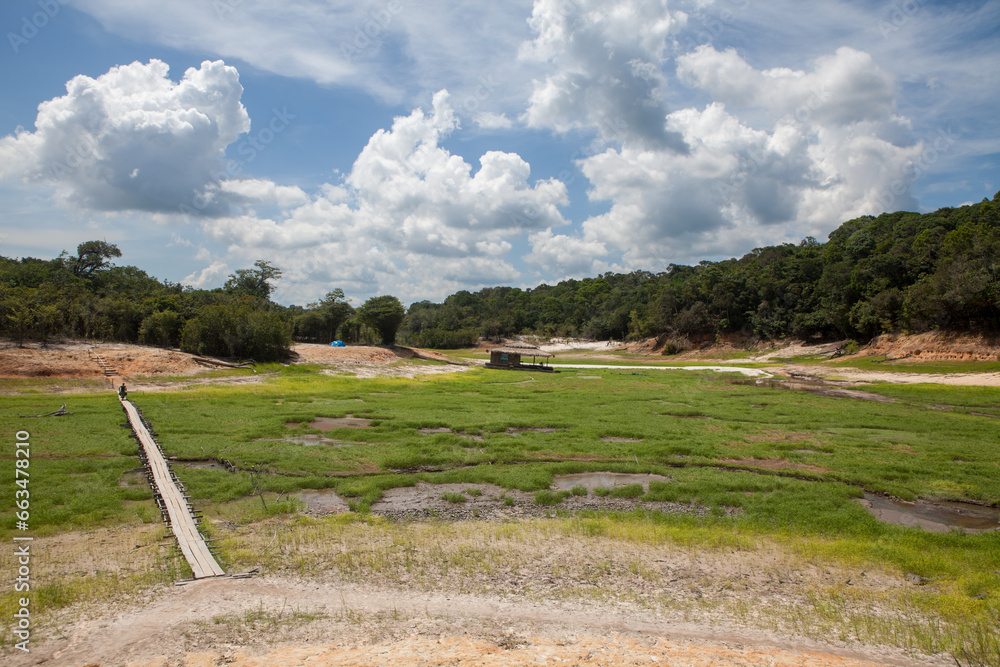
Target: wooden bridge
(172,500)
(168,490)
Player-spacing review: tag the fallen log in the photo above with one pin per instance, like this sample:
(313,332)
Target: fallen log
(226,364)
(61,412)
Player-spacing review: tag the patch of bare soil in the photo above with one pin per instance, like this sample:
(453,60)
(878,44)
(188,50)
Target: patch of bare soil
(286,620)
(493,503)
(144,367)
(933,346)
(857,376)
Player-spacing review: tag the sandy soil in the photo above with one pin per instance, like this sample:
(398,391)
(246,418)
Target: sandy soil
(283,621)
(855,375)
(145,368)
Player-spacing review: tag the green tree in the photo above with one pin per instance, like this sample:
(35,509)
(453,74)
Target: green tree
(384,314)
(254,282)
(92,256)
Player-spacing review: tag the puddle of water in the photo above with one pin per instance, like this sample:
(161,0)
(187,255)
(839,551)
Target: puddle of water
(323,501)
(207,464)
(608,480)
(938,517)
(331,423)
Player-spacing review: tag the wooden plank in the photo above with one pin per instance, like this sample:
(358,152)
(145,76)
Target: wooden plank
(190,541)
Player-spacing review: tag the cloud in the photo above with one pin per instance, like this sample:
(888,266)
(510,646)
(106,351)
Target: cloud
(608,63)
(832,148)
(132,139)
(395,50)
(565,255)
(211,276)
(845,88)
(410,218)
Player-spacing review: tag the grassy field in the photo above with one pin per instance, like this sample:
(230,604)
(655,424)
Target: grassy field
(776,469)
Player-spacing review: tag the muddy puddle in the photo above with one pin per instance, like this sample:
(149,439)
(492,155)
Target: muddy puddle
(818,387)
(445,429)
(936,517)
(313,440)
(608,480)
(321,502)
(207,464)
(331,423)
(514,430)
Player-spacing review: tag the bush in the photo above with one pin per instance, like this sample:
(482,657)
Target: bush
(162,329)
(676,345)
(240,329)
(444,340)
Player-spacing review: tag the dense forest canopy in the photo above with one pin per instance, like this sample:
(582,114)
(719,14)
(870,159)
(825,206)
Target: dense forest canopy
(896,272)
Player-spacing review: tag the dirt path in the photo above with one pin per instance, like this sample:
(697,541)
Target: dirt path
(280,621)
(751,372)
(865,376)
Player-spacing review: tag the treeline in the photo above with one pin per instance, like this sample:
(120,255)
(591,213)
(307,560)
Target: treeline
(86,296)
(895,272)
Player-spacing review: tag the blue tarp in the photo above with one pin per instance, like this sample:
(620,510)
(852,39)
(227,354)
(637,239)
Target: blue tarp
(337,343)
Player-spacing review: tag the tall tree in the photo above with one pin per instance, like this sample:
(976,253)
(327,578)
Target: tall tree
(384,314)
(92,256)
(254,282)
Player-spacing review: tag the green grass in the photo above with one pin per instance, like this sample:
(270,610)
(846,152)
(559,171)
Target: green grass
(774,464)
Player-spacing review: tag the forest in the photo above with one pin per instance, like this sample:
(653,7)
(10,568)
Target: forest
(897,272)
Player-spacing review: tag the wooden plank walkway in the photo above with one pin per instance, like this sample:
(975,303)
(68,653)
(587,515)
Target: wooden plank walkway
(182,522)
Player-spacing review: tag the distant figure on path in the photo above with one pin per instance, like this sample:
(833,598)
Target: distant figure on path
(122,392)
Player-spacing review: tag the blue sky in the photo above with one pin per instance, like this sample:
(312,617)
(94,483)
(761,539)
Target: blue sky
(418,149)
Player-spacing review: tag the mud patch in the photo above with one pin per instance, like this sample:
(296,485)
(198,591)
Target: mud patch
(445,429)
(321,502)
(493,503)
(514,430)
(936,517)
(331,423)
(204,464)
(608,480)
(313,440)
(814,386)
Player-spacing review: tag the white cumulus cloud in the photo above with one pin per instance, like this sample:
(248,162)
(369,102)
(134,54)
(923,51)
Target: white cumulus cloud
(608,61)
(131,139)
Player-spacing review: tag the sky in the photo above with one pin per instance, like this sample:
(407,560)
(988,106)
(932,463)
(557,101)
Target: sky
(422,148)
